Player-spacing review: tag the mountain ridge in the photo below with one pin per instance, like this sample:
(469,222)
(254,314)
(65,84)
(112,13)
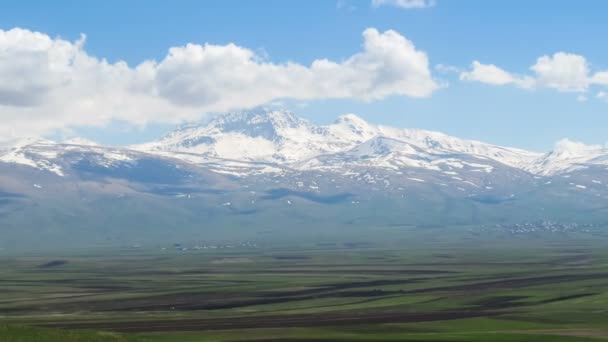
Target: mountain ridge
(299,139)
(244,174)
(279,137)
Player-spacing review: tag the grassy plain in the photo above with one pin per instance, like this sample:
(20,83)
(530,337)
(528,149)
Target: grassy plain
(515,290)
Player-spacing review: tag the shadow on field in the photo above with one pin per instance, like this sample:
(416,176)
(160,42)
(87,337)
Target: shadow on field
(292,321)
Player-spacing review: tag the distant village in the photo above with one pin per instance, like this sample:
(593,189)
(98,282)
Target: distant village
(545,226)
(202,246)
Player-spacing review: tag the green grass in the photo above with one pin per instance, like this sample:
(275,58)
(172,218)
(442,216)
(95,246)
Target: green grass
(543,290)
(14,333)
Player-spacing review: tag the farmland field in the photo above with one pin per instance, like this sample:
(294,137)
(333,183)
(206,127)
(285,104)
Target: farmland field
(529,290)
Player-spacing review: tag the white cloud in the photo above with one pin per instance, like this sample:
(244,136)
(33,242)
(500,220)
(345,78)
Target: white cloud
(407,4)
(50,83)
(491,74)
(32,65)
(445,68)
(564,72)
(487,73)
(600,78)
(217,76)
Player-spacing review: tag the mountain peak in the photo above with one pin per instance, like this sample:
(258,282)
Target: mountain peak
(258,122)
(567,148)
(348,124)
(278,136)
(567,155)
(350,117)
(351,120)
(23,142)
(79,141)
(257,115)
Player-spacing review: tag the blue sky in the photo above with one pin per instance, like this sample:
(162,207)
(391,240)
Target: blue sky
(511,35)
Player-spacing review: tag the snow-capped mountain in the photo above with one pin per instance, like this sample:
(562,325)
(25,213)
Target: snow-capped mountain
(273,141)
(389,153)
(33,152)
(50,156)
(275,136)
(568,156)
(260,167)
(261,136)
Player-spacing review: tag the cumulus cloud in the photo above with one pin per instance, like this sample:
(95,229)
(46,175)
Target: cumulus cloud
(491,74)
(213,75)
(564,72)
(487,73)
(600,78)
(407,4)
(32,65)
(50,83)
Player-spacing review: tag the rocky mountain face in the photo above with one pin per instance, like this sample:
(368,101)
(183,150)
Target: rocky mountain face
(261,167)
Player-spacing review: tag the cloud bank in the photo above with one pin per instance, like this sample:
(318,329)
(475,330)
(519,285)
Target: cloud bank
(564,72)
(49,83)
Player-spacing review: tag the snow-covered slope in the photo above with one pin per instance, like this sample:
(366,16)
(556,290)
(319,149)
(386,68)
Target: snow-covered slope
(264,141)
(257,135)
(389,153)
(50,156)
(34,152)
(275,136)
(569,156)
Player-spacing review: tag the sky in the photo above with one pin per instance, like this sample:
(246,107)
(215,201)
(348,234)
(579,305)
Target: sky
(515,73)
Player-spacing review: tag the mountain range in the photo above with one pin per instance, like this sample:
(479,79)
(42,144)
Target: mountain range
(265,170)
